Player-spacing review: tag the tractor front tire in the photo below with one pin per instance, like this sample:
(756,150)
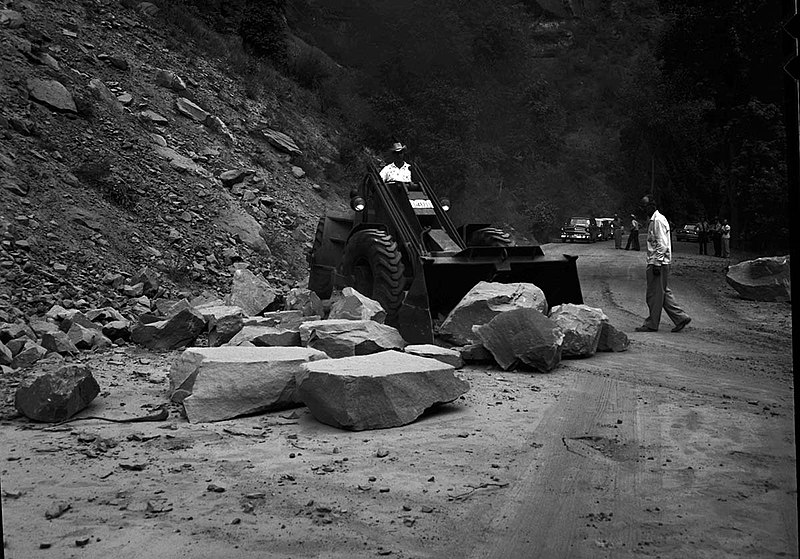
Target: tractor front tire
(490,237)
(373,259)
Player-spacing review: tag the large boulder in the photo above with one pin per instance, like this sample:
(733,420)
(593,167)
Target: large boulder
(87,338)
(354,306)
(28,354)
(378,391)
(58,342)
(224,322)
(523,337)
(12,331)
(305,301)
(762,279)
(177,331)
(56,395)
(251,292)
(225,382)
(51,93)
(74,317)
(485,301)
(612,339)
(346,338)
(581,325)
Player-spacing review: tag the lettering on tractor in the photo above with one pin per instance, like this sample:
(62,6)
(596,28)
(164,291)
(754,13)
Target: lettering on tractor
(399,246)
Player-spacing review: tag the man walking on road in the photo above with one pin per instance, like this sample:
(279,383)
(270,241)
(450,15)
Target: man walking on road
(633,238)
(659,255)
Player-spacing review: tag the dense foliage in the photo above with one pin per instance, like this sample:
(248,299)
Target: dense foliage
(524,112)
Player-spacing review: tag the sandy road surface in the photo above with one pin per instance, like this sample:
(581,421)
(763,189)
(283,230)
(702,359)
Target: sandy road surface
(681,447)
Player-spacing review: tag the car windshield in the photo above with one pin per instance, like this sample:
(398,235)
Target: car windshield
(690,227)
(579,221)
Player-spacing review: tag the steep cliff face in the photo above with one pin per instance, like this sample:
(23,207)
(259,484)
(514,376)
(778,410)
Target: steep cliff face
(125,144)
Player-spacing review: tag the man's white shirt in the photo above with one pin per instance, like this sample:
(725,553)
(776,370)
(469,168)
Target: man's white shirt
(659,243)
(393,173)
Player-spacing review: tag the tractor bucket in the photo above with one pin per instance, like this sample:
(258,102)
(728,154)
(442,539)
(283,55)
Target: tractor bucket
(449,278)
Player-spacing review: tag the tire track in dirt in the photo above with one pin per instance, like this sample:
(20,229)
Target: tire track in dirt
(582,497)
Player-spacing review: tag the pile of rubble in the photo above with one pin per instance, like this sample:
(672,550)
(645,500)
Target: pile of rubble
(338,357)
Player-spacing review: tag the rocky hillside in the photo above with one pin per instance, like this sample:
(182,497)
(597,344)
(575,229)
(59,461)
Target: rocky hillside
(125,145)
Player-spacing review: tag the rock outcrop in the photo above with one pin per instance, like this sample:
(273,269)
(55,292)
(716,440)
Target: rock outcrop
(378,391)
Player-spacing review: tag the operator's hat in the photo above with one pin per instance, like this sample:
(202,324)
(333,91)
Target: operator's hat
(397,146)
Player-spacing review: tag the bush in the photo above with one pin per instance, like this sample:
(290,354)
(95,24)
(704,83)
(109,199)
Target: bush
(309,68)
(263,31)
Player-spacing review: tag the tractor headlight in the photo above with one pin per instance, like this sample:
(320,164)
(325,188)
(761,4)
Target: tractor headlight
(357,203)
(445,204)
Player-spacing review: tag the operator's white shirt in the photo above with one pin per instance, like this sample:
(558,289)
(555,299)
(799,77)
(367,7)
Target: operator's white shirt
(659,242)
(393,173)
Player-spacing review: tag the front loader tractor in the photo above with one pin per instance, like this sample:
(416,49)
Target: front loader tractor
(399,246)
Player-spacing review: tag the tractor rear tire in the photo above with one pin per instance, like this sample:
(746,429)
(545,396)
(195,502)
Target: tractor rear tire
(490,237)
(373,258)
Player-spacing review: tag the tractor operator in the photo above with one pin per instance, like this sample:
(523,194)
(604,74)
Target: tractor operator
(398,170)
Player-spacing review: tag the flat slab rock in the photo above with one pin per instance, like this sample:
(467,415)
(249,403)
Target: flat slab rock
(762,279)
(443,354)
(347,338)
(377,391)
(266,336)
(485,301)
(523,337)
(217,383)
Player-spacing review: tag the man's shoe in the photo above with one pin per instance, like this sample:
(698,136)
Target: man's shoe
(646,329)
(681,325)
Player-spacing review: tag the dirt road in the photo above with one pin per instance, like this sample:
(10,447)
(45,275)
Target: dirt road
(684,446)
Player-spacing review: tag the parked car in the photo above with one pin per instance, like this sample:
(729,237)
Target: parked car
(687,233)
(580,229)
